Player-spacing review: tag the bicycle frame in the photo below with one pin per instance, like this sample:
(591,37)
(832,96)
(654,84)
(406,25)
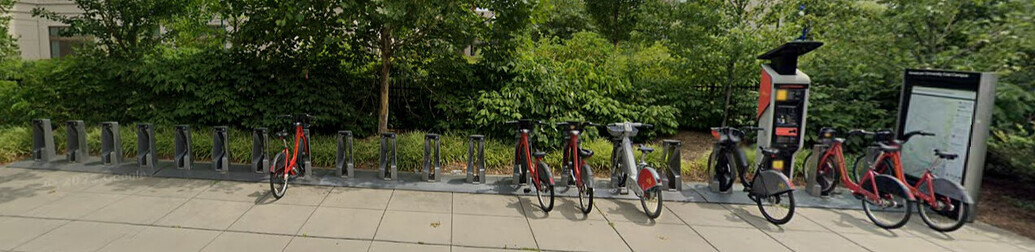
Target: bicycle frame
(533,172)
(628,160)
(836,151)
(927,178)
(299,138)
(576,160)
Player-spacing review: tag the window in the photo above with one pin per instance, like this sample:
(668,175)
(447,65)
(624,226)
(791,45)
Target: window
(61,45)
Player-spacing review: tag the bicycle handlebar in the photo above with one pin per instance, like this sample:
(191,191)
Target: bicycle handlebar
(907,136)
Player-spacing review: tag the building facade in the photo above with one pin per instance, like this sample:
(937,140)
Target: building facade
(39,38)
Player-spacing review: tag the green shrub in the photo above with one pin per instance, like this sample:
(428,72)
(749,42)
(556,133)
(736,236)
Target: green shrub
(1013,152)
(15,143)
(583,78)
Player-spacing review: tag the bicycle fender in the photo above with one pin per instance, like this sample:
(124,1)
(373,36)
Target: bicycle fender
(771,182)
(888,184)
(648,178)
(544,173)
(952,190)
(587,176)
(278,158)
(739,159)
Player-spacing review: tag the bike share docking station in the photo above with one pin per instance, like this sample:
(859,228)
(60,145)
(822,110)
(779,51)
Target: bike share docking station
(182,154)
(260,153)
(42,141)
(78,150)
(386,170)
(345,164)
(431,170)
(783,105)
(111,144)
(146,158)
(221,149)
(672,179)
(476,167)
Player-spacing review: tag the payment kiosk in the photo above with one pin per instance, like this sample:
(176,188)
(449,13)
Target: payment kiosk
(783,102)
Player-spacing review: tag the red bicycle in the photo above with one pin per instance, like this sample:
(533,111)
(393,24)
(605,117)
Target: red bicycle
(574,168)
(944,205)
(886,200)
(283,169)
(541,178)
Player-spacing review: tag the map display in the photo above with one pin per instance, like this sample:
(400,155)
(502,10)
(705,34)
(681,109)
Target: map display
(949,115)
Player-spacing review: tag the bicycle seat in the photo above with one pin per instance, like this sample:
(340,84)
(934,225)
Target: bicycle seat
(770,151)
(281,134)
(945,155)
(539,154)
(888,148)
(585,153)
(645,149)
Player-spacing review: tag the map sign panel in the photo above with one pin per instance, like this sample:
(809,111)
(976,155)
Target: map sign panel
(949,114)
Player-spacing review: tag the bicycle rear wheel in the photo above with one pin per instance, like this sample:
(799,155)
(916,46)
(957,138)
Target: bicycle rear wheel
(827,176)
(651,202)
(951,207)
(777,209)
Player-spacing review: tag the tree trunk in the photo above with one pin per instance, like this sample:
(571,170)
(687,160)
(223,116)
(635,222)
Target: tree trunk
(732,64)
(386,69)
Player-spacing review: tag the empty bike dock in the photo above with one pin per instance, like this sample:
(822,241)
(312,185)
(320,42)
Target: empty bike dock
(431,176)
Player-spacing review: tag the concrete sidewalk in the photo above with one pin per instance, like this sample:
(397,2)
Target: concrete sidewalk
(67,211)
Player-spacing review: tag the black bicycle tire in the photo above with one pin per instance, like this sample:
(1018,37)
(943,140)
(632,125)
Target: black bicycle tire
(832,184)
(276,173)
(961,219)
(643,203)
(894,225)
(541,171)
(770,218)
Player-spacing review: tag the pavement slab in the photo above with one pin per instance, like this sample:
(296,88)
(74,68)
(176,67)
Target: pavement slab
(136,210)
(307,244)
(250,242)
(15,231)
(80,236)
(205,214)
(342,223)
(347,197)
(273,219)
(160,239)
(47,210)
(589,235)
(415,227)
(492,232)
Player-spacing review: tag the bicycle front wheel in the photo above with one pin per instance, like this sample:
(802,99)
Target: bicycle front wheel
(777,209)
(544,189)
(893,207)
(585,191)
(278,177)
(651,202)
(722,170)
